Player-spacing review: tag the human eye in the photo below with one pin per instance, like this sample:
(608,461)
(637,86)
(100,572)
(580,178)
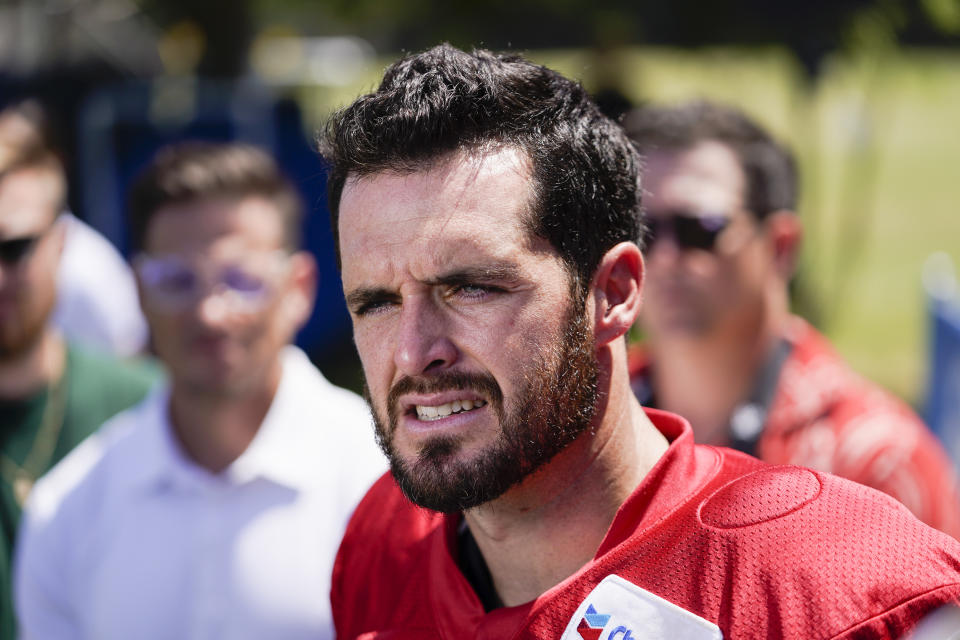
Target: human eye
(369,305)
(243,282)
(168,277)
(372,308)
(474,291)
(177,281)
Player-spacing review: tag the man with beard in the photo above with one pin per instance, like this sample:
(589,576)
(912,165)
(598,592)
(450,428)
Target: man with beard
(487,219)
(722,348)
(53,393)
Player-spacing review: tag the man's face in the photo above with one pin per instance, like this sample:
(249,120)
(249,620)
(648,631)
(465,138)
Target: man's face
(695,289)
(479,367)
(32,244)
(220,294)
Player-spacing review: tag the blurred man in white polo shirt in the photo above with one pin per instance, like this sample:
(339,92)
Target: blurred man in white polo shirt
(213,509)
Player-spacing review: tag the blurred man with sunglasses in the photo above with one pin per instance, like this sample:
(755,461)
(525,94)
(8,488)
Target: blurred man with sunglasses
(53,393)
(96,302)
(722,347)
(215,507)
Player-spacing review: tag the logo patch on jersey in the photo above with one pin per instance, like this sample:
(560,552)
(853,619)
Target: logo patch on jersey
(633,613)
(592,624)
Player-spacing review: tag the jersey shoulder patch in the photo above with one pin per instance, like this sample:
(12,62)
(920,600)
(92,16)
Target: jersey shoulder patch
(763,495)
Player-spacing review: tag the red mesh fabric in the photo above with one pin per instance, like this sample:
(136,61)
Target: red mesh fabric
(762,552)
(760,496)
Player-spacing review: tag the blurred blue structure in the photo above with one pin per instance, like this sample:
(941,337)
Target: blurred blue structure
(942,405)
(121,127)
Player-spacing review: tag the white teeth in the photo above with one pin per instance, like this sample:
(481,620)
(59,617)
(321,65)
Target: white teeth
(425,412)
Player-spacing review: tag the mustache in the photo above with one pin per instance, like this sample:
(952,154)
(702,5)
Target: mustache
(481,383)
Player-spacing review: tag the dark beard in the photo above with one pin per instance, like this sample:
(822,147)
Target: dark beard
(555,406)
(19,339)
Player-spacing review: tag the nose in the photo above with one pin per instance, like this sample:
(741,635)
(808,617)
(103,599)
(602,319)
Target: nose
(212,310)
(422,343)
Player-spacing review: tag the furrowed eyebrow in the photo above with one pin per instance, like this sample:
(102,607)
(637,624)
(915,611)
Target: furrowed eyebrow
(359,298)
(494,273)
(363,296)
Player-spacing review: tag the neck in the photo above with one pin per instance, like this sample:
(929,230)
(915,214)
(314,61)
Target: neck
(704,377)
(34,368)
(215,429)
(548,527)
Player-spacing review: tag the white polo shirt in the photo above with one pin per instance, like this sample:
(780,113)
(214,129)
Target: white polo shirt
(97,301)
(127,538)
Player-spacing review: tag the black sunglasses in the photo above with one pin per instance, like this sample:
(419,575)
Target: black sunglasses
(14,250)
(688,231)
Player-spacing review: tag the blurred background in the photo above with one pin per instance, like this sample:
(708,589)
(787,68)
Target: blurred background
(866,91)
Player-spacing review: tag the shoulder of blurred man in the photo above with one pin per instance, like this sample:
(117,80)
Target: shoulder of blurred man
(94,388)
(825,416)
(740,547)
(100,385)
(97,300)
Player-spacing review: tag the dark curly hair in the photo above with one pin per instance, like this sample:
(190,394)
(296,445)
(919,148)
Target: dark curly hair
(585,170)
(769,167)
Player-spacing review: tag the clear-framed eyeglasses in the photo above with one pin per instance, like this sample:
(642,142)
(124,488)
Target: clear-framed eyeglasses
(172,284)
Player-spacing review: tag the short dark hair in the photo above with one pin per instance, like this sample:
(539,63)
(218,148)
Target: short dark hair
(23,147)
(585,170)
(189,172)
(769,167)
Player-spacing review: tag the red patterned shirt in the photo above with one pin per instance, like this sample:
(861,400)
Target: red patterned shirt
(826,417)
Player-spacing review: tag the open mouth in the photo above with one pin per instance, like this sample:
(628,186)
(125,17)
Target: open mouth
(435,412)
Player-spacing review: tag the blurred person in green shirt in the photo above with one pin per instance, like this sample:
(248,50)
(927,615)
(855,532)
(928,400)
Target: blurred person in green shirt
(52,393)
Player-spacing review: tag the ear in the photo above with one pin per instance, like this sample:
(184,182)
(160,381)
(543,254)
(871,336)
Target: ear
(617,287)
(301,288)
(785,233)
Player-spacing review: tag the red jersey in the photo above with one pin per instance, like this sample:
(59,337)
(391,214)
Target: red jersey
(712,544)
(826,417)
